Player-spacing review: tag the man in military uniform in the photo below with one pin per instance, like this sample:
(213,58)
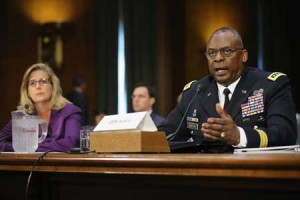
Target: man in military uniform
(259,112)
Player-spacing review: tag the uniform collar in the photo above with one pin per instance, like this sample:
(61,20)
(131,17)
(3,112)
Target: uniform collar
(231,87)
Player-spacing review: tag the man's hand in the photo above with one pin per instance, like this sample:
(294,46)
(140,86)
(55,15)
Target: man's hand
(223,128)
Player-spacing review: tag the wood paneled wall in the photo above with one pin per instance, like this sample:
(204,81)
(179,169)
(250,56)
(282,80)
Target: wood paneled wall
(184,28)
(18,50)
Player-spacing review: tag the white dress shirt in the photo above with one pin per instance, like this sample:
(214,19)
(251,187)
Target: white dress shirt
(231,87)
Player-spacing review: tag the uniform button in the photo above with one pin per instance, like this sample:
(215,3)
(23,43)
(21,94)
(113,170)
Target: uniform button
(192,132)
(255,127)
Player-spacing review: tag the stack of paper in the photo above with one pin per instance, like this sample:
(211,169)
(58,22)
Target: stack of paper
(278,149)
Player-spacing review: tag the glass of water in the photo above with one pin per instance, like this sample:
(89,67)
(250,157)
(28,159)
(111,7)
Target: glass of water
(84,140)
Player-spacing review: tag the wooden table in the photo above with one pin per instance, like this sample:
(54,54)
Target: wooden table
(151,176)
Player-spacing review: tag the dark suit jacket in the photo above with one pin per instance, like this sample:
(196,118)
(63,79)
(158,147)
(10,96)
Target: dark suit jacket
(157,119)
(276,125)
(79,100)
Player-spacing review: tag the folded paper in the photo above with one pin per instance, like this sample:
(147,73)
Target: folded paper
(130,121)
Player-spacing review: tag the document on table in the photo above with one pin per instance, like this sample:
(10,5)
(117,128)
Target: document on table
(278,149)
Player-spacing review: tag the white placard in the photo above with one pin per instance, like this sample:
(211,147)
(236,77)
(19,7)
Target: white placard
(131,121)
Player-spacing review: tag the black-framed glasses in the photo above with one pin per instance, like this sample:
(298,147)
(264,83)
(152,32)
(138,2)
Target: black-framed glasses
(225,52)
(42,82)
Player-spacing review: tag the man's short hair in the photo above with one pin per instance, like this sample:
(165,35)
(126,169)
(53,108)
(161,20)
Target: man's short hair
(78,81)
(151,89)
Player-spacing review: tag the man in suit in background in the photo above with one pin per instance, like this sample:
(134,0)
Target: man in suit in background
(236,105)
(143,99)
(78,98)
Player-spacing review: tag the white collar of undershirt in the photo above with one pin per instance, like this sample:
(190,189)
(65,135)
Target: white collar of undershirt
(231,87)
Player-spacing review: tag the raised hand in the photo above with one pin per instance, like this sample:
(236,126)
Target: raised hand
(223,128)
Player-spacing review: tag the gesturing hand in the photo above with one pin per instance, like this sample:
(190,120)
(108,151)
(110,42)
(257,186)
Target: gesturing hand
(223,128)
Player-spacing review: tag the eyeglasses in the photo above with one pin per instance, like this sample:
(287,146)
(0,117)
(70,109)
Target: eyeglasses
(225,52)
(42,82)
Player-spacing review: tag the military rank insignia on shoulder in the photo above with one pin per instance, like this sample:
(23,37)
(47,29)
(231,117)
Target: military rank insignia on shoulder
(187,86)
(275,75)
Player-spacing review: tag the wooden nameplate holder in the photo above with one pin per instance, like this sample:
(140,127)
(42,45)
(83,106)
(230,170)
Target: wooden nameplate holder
(128,141)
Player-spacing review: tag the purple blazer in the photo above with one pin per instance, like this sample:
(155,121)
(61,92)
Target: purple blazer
(63,131)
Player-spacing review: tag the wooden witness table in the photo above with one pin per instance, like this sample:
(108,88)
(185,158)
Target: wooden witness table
(148,176)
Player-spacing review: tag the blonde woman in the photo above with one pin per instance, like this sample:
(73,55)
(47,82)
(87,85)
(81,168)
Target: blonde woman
(41,95)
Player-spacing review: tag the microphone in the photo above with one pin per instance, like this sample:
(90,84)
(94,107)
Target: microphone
(172,135)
